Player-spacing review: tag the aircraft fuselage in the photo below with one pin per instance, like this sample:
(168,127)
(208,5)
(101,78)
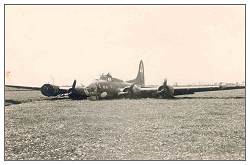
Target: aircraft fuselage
(106,89)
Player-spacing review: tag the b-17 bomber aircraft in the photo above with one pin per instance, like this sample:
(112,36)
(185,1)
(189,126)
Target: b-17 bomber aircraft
(108,87)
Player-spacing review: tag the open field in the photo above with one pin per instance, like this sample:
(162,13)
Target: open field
(204,126)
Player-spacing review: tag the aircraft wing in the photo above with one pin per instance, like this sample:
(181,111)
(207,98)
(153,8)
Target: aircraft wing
(63,88)
(192,90)
(23,87)
(46,89)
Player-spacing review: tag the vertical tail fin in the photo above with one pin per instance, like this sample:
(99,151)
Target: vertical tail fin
(139,80)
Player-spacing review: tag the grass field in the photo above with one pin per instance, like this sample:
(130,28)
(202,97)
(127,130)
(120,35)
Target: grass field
(204,126)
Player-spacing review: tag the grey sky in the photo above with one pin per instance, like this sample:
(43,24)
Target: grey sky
(186,44)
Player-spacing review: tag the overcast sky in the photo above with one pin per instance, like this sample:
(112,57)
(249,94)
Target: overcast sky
(185,44)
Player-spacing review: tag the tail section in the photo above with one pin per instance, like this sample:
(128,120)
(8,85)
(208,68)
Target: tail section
(139,80)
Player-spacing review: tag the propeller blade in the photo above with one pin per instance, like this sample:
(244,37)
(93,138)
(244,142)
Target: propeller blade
(131,88)
(165,83)
(74,84)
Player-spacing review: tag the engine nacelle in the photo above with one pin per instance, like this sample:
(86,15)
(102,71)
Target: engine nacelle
(78,93)
(166,92)
(50,90)
(132,91)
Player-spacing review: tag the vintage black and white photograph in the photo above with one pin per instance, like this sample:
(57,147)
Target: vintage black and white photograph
(124,82)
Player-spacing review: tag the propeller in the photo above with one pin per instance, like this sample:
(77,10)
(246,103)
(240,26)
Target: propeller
(165,91)
(73,87)
(131,89)
(164,88)
(77,93)
(71,91)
